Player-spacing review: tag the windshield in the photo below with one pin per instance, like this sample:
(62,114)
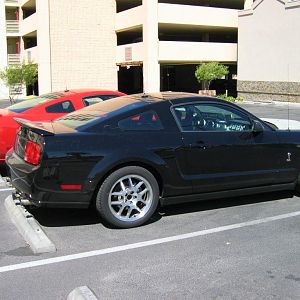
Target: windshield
(100,111)
(27,104)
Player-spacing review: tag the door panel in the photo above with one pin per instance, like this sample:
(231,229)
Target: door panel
(222,151)
(289,157)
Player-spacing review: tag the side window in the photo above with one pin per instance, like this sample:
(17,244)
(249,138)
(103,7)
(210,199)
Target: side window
(61,107)
(148,120)
(211,117)
(90,100)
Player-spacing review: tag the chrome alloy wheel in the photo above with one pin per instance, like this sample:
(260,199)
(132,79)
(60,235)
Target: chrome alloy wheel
(130,198)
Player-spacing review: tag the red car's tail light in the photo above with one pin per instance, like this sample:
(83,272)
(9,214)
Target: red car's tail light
(32,153)
(71,186)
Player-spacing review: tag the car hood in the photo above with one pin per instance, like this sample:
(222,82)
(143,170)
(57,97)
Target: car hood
(284,124)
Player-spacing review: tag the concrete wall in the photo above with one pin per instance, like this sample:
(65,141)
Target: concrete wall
(3,49)
(195,52)
(151,68)
(197,15)
(268,51)
(29,24)
(129,18)
(136,51)
(83,44)
(43,51)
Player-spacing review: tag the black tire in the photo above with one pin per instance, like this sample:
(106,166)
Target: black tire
(139,191)
(297,188)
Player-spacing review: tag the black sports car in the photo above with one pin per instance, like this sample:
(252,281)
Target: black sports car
(128,154)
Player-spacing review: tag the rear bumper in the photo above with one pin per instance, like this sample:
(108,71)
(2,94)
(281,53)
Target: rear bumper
(30,182)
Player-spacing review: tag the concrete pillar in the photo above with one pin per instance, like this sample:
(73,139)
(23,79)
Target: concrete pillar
(3,49)
(44,46)
(248,4)
(151,67)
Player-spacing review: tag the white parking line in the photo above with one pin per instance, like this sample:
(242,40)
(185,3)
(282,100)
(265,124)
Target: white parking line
(7,190)
(179,237)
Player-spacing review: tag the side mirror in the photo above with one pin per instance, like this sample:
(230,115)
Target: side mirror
(257,126)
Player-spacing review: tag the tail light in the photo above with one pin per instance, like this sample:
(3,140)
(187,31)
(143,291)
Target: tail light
(32,153)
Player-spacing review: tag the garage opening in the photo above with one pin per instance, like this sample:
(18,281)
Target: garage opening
(130,79)
(181,78)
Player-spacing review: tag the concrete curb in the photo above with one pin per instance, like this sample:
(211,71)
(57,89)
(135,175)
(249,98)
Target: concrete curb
(82,293)
(28,227)
(279,103)
(3,183)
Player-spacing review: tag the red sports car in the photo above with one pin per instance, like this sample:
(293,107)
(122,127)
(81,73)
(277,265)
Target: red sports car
(46,108)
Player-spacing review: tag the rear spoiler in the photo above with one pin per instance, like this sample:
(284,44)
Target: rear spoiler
(42,128)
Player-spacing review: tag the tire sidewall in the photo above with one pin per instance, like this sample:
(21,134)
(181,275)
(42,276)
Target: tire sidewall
(102,199)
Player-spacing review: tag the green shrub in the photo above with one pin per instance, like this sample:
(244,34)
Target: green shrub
(230,98)
(207,72)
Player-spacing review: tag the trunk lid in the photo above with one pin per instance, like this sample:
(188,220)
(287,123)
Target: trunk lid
(45,128)
(5,112)
(33,134)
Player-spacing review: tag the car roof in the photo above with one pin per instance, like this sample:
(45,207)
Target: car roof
(84,91)
(162,96)
(89,116)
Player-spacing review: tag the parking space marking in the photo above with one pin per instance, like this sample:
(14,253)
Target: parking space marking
(7,190)
(59,259)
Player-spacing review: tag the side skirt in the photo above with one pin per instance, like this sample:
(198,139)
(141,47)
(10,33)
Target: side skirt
(226,194)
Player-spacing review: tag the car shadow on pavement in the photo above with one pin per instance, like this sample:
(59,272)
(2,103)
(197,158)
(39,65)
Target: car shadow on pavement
(57,217)
(223,203)
(52,217)
(3,170)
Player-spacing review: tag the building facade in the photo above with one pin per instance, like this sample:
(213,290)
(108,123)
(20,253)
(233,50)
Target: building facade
(160,42)
(268,59)
(130,45)
(73,42)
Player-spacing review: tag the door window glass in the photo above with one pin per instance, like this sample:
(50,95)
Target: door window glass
(211,117)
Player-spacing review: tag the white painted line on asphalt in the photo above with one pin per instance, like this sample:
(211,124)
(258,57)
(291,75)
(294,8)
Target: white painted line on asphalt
(59,259)
(7,190)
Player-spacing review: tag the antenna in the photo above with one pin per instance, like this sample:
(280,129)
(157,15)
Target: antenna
(289,94)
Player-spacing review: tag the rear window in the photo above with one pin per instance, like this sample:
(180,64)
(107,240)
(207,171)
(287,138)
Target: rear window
(90,100)
(148,120)
(61,107)
(27,104)
(90,115)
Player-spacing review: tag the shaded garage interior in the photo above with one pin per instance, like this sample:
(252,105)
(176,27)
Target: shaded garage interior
(179,77)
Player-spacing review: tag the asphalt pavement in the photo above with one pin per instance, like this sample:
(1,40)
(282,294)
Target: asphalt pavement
(207,250)
(236,248)
(280,110)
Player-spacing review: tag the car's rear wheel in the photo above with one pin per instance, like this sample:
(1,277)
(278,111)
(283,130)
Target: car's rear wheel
(297,188)
(128,197)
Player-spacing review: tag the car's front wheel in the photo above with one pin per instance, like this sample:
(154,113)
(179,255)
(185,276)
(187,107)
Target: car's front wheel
(128,197)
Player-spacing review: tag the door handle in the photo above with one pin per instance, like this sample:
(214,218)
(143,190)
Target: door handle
(199,145)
